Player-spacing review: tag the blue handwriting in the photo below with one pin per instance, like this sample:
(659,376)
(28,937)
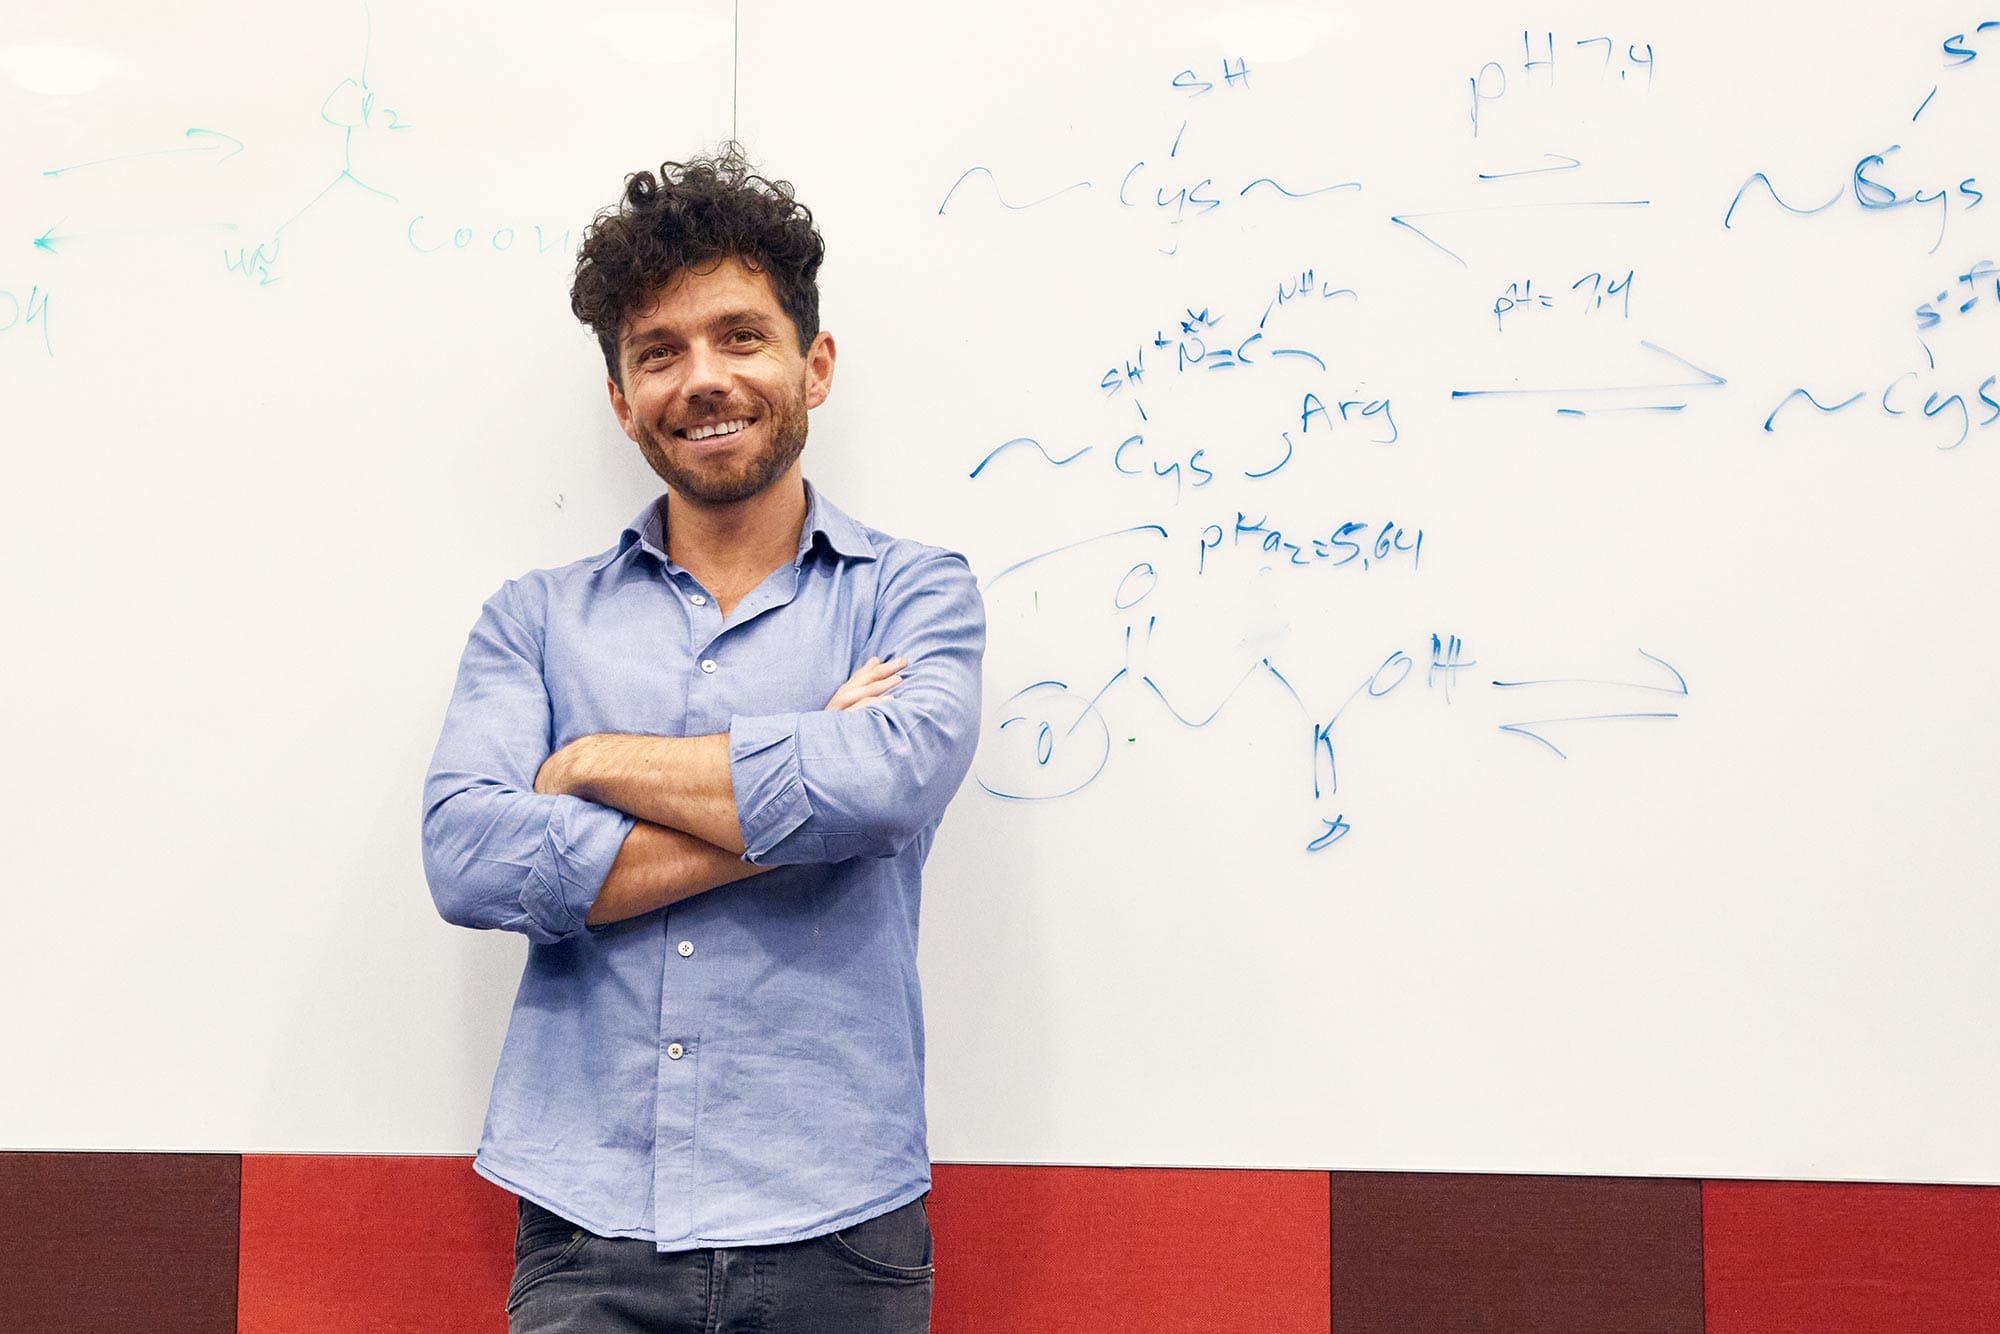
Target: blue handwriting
(1236,76)
(500,239)
(987,172)
(1522,296)
(1899,399)
(1528,727)
(1446,662)
(1377,544)
(1538,68)
(1562,164)
(351,106)
(1305,288)
(1928,315)
(1038,447)
(1405,220)
(211,141)
(1957,52)
(17,312)
(1312,409)
(1202,196)
(1871,195)
(1704,380)
(1196,342)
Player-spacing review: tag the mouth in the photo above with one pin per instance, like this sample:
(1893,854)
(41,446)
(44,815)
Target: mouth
(716,430)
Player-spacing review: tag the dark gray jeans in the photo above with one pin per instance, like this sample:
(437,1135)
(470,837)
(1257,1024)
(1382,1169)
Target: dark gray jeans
(872,1278)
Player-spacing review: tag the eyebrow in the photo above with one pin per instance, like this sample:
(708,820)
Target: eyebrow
(758,319)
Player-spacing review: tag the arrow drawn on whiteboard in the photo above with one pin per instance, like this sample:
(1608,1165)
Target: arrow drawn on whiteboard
(1708,380)
(1526,728)
(1404,219)
(1563,164)
(1643,407)
(50,239)
(1679,687)
(973,171)
(161,152)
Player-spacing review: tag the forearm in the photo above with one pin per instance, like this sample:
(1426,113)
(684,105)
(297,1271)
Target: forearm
(657,866)
(498,857)
(682,783)
(866,782)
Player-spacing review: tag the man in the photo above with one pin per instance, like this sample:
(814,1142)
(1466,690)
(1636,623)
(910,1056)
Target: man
(701,771)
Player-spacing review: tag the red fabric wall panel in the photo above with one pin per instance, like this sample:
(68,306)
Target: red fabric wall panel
(131,1243)
(372,1245)
(1108,1250)
(1421,1253)
(141,1242)
(1796,1258)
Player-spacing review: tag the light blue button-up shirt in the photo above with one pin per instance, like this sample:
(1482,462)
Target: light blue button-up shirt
(745,1066)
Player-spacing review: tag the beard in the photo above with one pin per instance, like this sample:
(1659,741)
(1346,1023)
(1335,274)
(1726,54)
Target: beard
(715,481)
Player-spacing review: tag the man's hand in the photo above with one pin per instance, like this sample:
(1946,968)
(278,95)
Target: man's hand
(873,680)
(562,772)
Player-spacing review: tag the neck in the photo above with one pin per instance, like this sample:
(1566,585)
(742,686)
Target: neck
(745,540)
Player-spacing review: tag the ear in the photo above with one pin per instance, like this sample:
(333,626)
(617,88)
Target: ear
(621,409)
(819,369)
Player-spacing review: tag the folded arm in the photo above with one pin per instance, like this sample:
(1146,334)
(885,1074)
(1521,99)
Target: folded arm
(499,854)
(659,865)
(682,783)
(861,778)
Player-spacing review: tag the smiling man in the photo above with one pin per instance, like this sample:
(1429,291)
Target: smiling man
(701,771)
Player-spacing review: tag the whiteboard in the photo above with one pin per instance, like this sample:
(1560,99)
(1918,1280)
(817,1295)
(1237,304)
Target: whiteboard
(1717,898)
(256,503)
(1609,799)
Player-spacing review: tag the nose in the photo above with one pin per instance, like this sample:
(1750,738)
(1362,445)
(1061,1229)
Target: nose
(707,372)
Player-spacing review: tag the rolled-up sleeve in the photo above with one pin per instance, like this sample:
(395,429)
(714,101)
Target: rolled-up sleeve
(497,853)
(827,786)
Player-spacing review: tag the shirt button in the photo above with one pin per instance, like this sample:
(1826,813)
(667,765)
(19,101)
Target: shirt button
(676,1051)
(686,948)
(699,600)
(708,665)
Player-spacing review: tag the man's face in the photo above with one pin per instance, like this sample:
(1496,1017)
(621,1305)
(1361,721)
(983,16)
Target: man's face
(716,389)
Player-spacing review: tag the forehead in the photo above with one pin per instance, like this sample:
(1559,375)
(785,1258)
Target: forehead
(696,295)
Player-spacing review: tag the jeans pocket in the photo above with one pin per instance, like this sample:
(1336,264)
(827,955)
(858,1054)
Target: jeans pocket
(544,1244)
(897,1244)
(537,1228)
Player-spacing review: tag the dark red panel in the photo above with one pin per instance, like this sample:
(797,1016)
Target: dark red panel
(1446,1254)
(368,1245)
(1784,1256)
(133,1242)
(1109,1250)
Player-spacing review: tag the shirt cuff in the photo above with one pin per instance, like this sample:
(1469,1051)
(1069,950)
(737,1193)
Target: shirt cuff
(581,842)
(771,800)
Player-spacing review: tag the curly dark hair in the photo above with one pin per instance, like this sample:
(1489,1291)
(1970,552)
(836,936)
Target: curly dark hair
(708,208)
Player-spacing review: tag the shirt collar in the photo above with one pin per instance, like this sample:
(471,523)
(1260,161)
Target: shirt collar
(824,519)
(844,537)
